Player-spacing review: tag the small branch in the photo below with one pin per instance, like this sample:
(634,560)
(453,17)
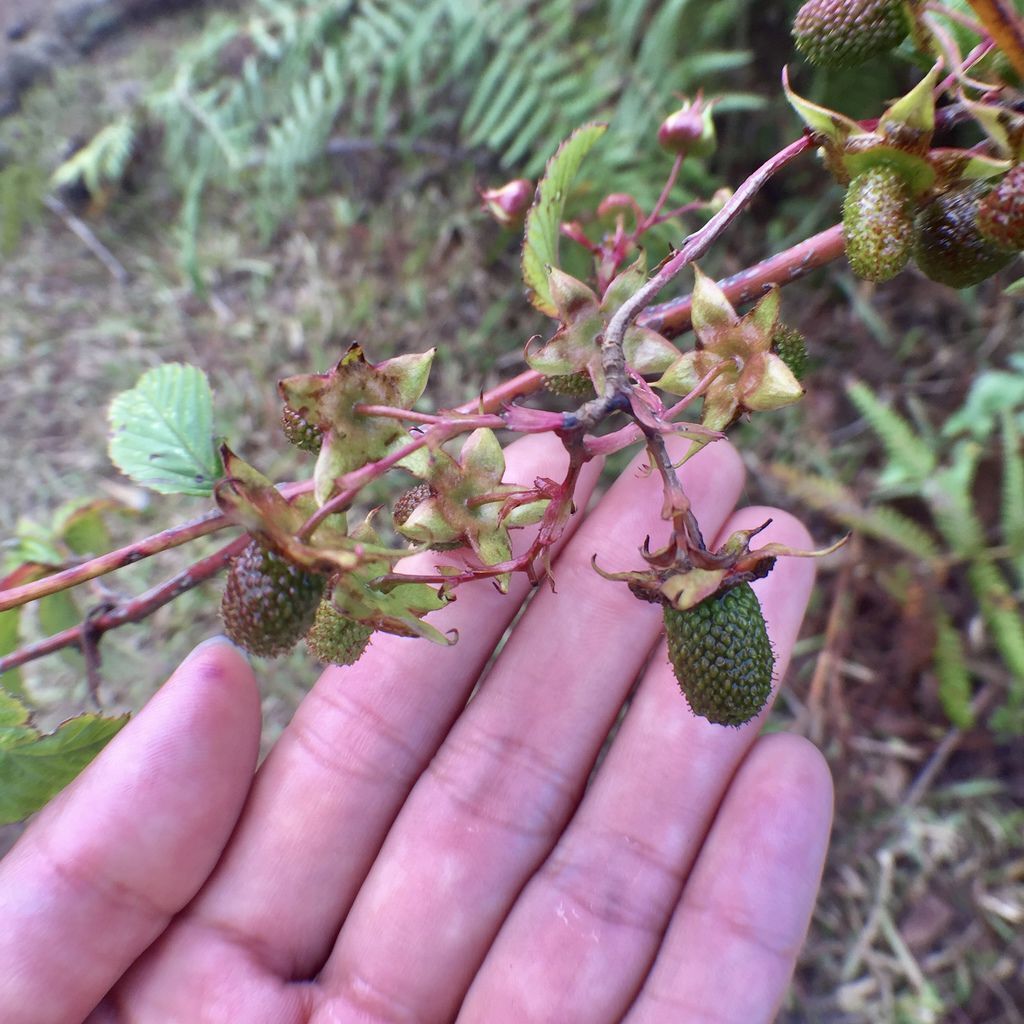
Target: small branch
(695,246)
(92,243)
(85,635)
(1004,25)
(673,317)
(460,420)
(210,522)
(652,218)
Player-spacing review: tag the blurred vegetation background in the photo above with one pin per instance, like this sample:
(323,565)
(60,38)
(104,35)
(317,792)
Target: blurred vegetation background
(260,183)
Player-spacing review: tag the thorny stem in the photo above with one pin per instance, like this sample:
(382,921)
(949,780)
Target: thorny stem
(1004,25)
(951,55)
(612,357)
(85,634)
(669,318)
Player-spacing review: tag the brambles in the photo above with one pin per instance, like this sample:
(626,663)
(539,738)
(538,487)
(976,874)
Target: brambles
(268,603)
(949,247)
(335,638)
(877,223)
(844,33)
(721,655)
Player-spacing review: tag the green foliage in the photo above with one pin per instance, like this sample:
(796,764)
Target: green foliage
(911,459)
(103,161)
(162,431)
(940,472)
(952,671)
(540,247)
(34,766)
(255,103)
(21,192)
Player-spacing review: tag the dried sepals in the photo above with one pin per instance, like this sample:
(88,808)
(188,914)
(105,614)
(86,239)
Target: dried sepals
(750,376)
(328,401)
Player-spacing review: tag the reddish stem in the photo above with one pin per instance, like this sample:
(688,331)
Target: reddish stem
(86,633)
(652,217)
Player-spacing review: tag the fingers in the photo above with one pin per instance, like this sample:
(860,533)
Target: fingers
(587,927)
(329,791)
(101,871)
(734,938)
(501,788)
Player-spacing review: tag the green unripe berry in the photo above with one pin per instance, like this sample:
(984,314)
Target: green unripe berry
(844,33)
(335,638)
(268,603)
(721,655)
(878,223)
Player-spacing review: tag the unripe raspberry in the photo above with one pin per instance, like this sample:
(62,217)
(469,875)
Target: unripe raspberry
(300,432)
(570,385)
(878,223)
(268,603)
(844,33)
(948,246)
(335,638)
(721,655)
(1001,212)
(791,346)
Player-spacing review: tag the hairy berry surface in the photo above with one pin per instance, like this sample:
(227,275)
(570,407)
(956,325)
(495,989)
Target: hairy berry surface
(268,603)
(721,655)
(843,33)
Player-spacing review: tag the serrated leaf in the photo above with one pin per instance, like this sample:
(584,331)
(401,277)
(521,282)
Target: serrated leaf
(540,242)
(162,431)
(35,766)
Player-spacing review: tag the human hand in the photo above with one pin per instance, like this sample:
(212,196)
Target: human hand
(402,856)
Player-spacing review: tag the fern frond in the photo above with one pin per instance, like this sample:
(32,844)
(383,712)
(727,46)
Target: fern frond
(909,454)
(1002,615)
(102,161)
(1013,495)
(951,670)
(881,522)
(948,493)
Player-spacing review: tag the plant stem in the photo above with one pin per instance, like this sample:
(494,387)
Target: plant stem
(696,245)
(86,633)
(673,317)
(1004,25)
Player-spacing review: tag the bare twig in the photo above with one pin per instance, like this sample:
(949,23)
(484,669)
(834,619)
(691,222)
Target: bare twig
(673,317)
(92,243)
(86,634)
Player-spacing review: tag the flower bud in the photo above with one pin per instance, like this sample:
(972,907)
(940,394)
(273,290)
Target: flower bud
(689,130)
(509,203)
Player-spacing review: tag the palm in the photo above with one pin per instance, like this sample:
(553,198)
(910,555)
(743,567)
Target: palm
(402,856)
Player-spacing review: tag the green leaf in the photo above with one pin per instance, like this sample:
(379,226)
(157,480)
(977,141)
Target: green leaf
(9,622)
(952,672)
(35,766)
(162,431)
(540,245)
